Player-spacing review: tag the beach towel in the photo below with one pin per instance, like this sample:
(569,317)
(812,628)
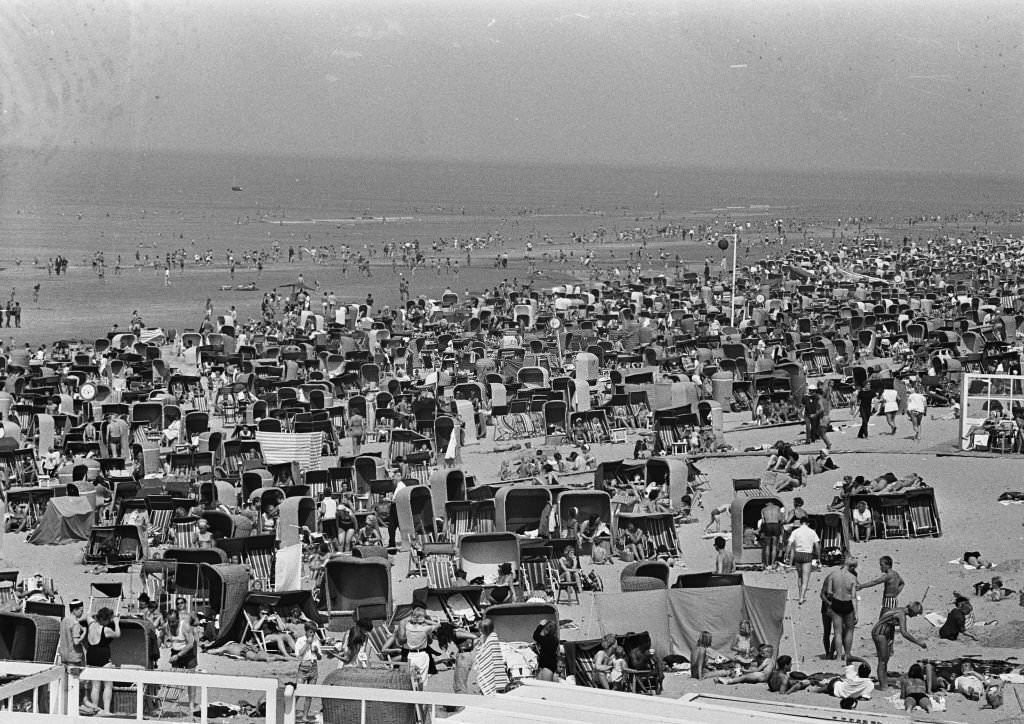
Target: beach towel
(491,675)
(285,447)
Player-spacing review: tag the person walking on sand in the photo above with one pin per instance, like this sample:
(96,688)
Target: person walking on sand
(890,406)
(917,406)
(892,585)
(804,547)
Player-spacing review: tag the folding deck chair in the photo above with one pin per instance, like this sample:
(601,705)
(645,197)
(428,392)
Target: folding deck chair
(562,585)
(105,593)
(440,571)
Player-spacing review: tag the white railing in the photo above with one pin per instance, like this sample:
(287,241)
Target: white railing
(43,682)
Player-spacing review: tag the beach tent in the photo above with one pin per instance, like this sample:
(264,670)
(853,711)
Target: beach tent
(66,519)
(675,617)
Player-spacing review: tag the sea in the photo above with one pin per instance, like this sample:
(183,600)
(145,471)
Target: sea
(44,194)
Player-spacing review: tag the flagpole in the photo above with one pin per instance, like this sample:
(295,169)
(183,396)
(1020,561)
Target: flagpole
(732,297)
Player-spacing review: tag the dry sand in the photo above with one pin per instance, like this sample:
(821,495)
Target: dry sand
(966,489)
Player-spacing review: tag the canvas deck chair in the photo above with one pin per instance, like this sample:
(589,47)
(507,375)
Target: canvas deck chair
(563,585)
(536,575)
(924,514)
(105,593)
(376,640)
(161,511)
(185,532)
(440,571)
(459,515)
(260,559)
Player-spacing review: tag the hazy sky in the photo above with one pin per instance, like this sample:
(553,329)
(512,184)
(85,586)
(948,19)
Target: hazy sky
(833,84)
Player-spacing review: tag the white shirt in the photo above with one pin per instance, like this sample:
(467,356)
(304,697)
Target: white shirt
(804,539)
(890,400)
(328,508)
(852,686)
(916,402)
(859,517)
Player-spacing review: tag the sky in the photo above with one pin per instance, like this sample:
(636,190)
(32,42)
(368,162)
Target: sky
(788,84)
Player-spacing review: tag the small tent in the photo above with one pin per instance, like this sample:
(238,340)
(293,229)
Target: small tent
(66,519)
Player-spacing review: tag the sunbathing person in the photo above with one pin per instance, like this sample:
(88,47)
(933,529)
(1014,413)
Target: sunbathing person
(973,558)
(780,681)
(763,668)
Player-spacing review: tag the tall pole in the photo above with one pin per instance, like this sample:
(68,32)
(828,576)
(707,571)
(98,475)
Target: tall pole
(732,297)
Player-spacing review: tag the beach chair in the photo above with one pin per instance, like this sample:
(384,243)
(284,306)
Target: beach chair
(440,571)
(105,593)
(375,642)
(569,586)
(895,521)
(185,532)
(646,680)
(536,575)
(252,633)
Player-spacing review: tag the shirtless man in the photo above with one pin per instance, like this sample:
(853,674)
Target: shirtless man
(764,668)
(892,585)
(771,533)
(779,681)
(840,589)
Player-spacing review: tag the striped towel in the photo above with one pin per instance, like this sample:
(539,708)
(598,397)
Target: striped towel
(491,675)
(154,336)
(286,447)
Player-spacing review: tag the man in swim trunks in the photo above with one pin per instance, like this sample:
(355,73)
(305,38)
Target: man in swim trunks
(779,680)
(804,547)
(840,589)
(771,533)
(884,633)
(892,585)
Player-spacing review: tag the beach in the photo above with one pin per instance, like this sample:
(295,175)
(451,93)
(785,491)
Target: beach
(41,220)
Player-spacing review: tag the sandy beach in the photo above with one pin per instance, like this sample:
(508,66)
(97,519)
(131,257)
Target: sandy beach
(966,489)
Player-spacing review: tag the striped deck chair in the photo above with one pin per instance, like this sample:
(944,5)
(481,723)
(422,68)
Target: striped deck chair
(822,361)
(830,535)
(375,642)
(261,566)
(923,520)
(160,522)
(810,362)
(586,673)
(418,471)
(662,532)
(185,532)
(440,571)
(536,575)
(460,519)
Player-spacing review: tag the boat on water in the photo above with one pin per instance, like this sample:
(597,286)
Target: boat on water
(236,188)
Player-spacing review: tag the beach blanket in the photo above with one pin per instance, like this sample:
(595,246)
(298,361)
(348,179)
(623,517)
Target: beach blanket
(285,447)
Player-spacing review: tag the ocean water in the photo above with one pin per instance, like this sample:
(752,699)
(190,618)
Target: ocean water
(195,188)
